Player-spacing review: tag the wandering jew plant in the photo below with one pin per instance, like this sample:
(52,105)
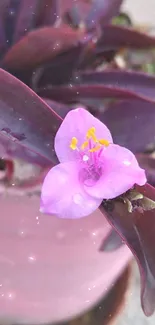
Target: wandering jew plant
(92,168)
(59,55)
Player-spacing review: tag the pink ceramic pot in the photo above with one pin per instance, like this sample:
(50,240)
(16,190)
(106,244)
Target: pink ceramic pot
(51,269)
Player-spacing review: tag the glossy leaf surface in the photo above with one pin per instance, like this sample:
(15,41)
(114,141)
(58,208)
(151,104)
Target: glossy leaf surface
(41,45)
(137,229)
(107,84)
(128,122)
(115,37)
(27,122)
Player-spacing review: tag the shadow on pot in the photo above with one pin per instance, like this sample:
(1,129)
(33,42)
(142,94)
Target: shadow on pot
(107,311)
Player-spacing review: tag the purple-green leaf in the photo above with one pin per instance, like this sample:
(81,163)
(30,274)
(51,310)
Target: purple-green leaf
(27,122)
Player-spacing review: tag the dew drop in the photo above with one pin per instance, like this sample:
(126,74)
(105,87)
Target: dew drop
(127,162)
(77,198)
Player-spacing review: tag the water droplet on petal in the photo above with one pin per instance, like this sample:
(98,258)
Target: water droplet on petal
(77,198)
(127,162)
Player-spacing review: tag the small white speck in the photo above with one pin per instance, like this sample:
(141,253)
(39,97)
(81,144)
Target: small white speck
(85,158)
(32,259)
(11,13)
(127,162)
(11,295)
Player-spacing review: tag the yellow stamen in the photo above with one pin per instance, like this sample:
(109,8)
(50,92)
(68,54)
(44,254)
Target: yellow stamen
(95,149)
(104,142)
(91,134)
(73,144)
(84,145)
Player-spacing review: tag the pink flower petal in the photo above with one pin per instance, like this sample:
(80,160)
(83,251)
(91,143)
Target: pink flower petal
(76,124)
(120,172)
(63,195)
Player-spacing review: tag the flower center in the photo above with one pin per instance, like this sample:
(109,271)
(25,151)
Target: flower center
(90,156)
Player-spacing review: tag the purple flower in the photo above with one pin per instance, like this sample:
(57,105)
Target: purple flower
(91,168)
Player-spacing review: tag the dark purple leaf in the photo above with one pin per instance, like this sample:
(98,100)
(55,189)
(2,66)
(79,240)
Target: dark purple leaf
(133,84)
(48,13)
(59,70)
(73,17)
(137,229)
(20,17)
(57,107)
(2,38)
(102,11)
(111,243)
(115,37)
(11,13)
(4,4)
(132,124)
(76,11)
(41,45)
(26,17)
(27,122)
(110,83)
(147,162)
